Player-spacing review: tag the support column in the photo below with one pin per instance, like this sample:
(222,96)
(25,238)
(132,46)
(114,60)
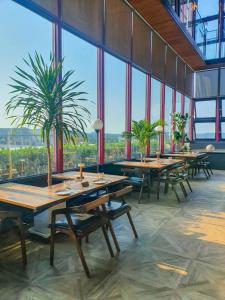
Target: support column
(128,108)
(101,104)
(57,52)
(173,111)
(182,111)
(191,119)
(162,115)
(148,105)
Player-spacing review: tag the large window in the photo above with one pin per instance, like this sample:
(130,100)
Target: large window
(204,119)
(168,111)
(155,109)
(81,57)
(22,152)
(138,102)
(115,83)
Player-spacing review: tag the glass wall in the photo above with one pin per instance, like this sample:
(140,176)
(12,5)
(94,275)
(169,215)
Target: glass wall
(115,92)
(22,153)
(138,102)
(168,121)
(81,57)
(155,109)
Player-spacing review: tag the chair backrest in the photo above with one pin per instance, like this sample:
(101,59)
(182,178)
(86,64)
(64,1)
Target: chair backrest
(94,204)
(128,171)
(121,192)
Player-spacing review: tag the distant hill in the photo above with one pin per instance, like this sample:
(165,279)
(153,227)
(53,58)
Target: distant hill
(25,137)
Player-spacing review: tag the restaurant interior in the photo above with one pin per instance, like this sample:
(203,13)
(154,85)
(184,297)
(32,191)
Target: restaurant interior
(112,149)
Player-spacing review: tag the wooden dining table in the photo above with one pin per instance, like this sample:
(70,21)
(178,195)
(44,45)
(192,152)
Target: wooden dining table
(158,165)
(186,155)
(41,199)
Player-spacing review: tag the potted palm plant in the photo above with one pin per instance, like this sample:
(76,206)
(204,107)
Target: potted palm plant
(42,100)
(179,124)
(142,132)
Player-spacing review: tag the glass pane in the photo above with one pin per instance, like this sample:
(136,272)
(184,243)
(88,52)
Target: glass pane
(155,109)
(22,152)
(206,83)
(186,14)
(187,110)
(138,103)
(168,111)
(223,108)
(222,81)
(81,57)
(207,8)
(222,130)
(115,83)
(178,102)
(205,109)
(205,130)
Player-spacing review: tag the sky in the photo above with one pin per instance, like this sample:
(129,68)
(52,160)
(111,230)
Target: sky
(24,32)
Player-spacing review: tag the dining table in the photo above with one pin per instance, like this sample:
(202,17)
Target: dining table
(42,200)
(152,164)
(186,155)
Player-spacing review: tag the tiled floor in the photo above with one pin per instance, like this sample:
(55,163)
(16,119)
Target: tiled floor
(180,254)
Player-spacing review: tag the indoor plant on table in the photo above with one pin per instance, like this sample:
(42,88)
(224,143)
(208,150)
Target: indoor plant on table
(142,132)
(43,99)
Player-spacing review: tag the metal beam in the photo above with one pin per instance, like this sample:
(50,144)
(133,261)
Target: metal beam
(148,105)
(57,52)
(128,108)
(101,104)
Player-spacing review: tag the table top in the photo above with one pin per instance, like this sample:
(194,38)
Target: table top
(35,198)
(150,164)
(186,154)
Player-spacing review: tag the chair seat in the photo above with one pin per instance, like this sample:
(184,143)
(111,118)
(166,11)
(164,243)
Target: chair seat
(116,209)
(133,181)
(83,224)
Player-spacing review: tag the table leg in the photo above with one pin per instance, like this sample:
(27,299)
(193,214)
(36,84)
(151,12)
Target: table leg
(42,221)
(158,185)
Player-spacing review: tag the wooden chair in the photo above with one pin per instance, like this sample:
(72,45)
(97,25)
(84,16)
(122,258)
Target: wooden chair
(117,206)
(137,178)
(172,177)
(79,223)
(12,219)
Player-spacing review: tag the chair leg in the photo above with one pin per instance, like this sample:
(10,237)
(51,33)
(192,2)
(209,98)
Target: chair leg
(205,173)
(107,241)
(132,225)
(175,191)
(188,183)
(114,236)
(183,189)
(87,238)
(140,195)
(81,254)
(207,170)
(23,243)
(210,168)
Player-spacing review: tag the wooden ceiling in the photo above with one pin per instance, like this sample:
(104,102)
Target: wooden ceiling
(170,28)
